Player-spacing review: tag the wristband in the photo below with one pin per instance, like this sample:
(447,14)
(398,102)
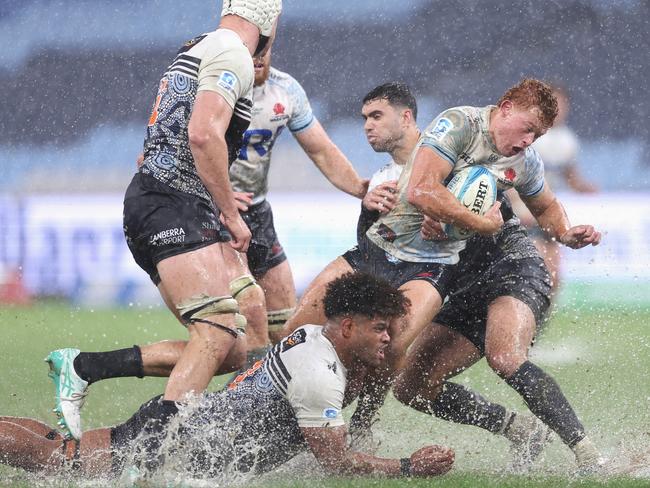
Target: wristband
(405,467)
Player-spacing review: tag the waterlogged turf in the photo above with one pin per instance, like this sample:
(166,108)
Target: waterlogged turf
(599,356)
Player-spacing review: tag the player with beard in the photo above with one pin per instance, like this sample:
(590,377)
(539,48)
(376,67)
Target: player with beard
(279,102)
(181,222)
(287,403)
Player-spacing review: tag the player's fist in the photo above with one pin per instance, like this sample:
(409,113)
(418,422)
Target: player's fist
(239,231)
(580,236)
(381,198)
(493,220)
(432,461)
(431,230)
(243,200)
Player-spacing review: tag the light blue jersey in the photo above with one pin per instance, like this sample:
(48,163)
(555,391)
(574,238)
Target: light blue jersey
(461,136)
(280,102)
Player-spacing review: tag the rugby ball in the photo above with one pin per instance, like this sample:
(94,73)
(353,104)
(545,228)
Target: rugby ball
(476,189)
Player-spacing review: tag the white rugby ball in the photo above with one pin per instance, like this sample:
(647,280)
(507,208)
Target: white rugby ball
(476,189)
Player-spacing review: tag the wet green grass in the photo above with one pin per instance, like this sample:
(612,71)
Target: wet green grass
(600,357)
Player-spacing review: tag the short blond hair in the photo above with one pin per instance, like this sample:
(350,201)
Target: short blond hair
(529,93)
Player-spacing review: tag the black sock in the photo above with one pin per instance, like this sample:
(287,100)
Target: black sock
(95,366)
(458,404)
(543,396)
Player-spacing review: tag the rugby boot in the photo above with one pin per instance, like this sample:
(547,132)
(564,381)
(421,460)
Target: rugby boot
(70,390)
(589,461)
(528,436)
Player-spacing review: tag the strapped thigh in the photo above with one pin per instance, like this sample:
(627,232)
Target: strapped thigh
(197,308)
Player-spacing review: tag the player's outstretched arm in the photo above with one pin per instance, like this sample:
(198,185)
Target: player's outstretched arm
(428,194)
(331,161)
(328,445)
(552,218)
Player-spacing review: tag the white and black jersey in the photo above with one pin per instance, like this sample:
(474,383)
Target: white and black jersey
(219,62)
(255,424)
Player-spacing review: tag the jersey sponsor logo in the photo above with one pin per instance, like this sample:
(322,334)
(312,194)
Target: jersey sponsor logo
(510,174)
(298,337)
(332,367)
(442,127)
(330,413)
(169,236)
(278,109)
(227,81)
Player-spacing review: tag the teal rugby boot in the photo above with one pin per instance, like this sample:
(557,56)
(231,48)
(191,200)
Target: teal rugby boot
(70,390)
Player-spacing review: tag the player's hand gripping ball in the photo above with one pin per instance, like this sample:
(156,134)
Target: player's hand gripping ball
(476,189)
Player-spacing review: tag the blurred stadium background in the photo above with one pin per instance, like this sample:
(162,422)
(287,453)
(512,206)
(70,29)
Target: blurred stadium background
(78,80)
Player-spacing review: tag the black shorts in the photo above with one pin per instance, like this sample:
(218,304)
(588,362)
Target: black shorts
(369,258)
(526,280)
(160,222)
(265,251)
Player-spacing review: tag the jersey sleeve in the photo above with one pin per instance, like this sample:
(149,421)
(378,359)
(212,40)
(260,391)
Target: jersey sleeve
(449,134)
(302,116)
(533,181)
(228,72)
(317,398)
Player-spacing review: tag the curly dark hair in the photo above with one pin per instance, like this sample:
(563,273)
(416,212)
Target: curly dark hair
(364,294)
(530,92)
(397,94)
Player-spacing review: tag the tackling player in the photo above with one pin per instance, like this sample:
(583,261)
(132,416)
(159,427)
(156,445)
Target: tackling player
(286,403)
(180,218)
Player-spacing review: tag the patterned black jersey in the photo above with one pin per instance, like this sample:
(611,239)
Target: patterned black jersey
(219,62)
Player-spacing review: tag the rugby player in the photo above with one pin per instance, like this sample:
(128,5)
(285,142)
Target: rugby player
(501,292)
(181,221)
(278,102)
(286,403)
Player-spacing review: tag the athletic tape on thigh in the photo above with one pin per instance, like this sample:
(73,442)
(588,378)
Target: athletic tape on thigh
(200,307)
(242,283)
(277,318)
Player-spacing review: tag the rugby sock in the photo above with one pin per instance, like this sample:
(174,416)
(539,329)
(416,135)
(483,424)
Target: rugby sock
(458,404)
(95,366)
(544,398)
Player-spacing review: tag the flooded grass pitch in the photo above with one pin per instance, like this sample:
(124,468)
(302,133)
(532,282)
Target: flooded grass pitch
(599,356)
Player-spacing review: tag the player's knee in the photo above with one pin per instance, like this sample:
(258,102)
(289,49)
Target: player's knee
(504,363)
(404,390)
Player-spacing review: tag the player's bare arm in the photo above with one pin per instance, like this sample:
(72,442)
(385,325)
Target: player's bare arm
(381,198)
(330,449)
(207,128)
(428,194)
(331,161)
(552,218)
